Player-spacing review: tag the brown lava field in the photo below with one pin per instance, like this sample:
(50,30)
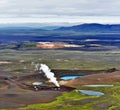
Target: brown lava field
(18,91)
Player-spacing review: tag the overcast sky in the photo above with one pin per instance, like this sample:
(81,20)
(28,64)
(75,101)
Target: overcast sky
(101,11)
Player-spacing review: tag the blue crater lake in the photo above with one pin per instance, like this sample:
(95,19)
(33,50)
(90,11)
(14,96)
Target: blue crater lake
(99,85)
(91,92)
(71,76)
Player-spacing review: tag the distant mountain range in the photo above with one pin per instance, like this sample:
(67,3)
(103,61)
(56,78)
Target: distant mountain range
(60,29)
(93,27)
(43,26)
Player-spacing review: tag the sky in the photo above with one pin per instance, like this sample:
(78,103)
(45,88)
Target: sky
(57,11)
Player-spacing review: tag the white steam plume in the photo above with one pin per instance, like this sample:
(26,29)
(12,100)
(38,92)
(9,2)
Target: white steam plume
(49,74)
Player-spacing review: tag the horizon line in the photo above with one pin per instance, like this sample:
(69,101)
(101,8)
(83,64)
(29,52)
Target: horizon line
(65,19)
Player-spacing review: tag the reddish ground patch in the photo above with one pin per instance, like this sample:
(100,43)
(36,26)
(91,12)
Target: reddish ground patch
(50,45)
(95,79)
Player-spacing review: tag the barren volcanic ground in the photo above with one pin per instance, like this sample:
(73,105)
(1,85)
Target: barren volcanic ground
(16,78)
(17,91)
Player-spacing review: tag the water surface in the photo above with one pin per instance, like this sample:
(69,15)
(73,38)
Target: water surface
(99,85)
(68,77)
(91,92)
(37,83)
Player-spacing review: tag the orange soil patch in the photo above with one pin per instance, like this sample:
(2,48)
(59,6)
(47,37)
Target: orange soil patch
(50,45)
(5,62)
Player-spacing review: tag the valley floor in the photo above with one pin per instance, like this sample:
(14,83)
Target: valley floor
(19,64)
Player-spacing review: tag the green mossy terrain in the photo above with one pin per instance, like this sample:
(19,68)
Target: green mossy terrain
(78,101)
(59,59)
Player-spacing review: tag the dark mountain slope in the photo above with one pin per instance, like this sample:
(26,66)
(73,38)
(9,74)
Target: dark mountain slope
(93,27)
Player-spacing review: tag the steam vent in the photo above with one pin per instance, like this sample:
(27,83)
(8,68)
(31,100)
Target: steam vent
(51,76)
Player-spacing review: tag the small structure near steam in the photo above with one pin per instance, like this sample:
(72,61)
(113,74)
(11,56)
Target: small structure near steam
(50,75)
(37,83)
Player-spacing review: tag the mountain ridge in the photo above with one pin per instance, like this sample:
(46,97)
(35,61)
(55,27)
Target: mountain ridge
(92,27)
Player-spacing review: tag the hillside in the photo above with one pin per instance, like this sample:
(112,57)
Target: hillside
(93,27)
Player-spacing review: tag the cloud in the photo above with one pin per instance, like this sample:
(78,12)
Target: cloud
(58,8)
